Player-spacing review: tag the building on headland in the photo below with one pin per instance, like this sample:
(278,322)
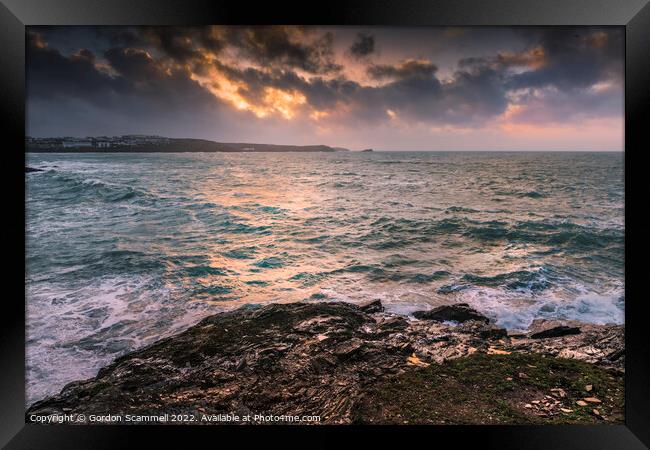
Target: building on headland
(102,142)
(43,143)
(99,143)
(77,143)
(142,139)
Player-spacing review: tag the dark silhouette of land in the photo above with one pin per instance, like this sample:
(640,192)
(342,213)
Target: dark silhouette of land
(143,143)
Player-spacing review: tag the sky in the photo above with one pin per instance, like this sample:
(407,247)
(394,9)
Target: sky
(386,88)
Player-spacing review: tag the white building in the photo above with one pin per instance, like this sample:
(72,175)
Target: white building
(69,143)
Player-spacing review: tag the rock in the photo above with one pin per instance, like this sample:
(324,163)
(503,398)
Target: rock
(32,169)
(307,359)
(600,344)
(490,331)
(413,360)
(558,331)
(515,334)
(348,348)
(373,307)
(616,355)
(392,325)
(558,392)
(460,312)
(550,328)
(496,351)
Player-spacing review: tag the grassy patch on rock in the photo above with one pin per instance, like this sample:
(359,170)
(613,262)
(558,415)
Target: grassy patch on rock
(497,389)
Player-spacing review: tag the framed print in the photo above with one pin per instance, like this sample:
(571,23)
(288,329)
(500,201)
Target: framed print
(377,219)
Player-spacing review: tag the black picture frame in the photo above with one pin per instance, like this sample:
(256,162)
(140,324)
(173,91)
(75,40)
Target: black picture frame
(633,15)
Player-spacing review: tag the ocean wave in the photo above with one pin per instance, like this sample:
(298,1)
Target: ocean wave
(308,279)
(240,253)
(348,185)
(373,273)
(91,264)
(85,188)
(202,271)
(451,288)
(397,260)
(461,209)
(214,290)
(516,313)
(390,233)
(520,280)
(237,226)
(270,263)
(532,194)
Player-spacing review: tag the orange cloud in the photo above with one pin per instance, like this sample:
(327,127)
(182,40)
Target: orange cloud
(280,101)
(534,58)
(274,101)
(597,40)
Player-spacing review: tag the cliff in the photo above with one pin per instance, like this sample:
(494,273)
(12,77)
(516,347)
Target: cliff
(359,364)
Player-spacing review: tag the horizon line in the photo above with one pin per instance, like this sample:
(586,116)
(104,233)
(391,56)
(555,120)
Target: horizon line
(334,146)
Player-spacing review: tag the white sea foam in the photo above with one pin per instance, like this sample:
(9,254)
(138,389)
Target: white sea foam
(125,249)
(514,311)
(93,324)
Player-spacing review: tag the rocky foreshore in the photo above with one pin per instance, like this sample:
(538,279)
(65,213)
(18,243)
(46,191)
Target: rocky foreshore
(360,364)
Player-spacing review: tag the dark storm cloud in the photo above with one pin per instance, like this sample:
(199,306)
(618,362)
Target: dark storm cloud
(363,46)
(573,58)
(291,47)
(51,74)
(405,70)
(137,78)
(476,94)
(549,75)
(469,97)
(276,46)
(133,64)
(182,43)
(560,57)
(555,74)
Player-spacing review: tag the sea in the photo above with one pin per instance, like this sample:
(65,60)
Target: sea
(124,249)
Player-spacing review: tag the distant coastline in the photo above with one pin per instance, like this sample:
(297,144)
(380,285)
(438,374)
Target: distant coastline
(156,144)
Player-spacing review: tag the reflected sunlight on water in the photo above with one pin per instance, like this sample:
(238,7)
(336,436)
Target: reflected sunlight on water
(123,249)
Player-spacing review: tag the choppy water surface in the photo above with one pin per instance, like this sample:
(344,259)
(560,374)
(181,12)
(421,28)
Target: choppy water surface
(124,249)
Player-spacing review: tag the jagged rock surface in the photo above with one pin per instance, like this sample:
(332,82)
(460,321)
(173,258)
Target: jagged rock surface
(300,358)
(460,312)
